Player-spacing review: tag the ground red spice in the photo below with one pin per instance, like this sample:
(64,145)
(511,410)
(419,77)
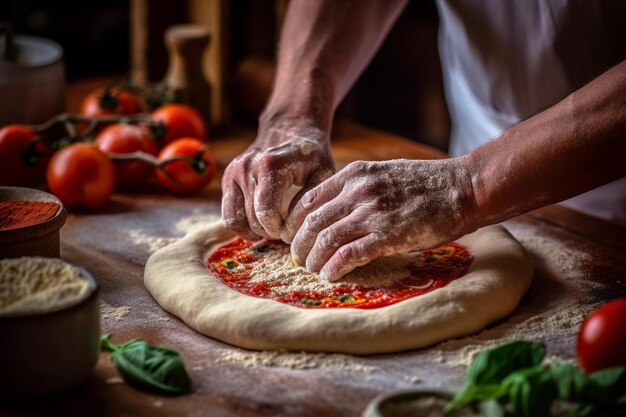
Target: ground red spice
(16,214)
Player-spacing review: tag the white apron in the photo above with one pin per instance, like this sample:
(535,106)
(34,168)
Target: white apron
(505,60)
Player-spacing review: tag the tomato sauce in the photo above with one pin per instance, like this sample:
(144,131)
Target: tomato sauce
(233,262)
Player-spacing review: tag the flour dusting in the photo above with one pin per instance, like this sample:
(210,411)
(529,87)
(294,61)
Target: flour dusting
(108,311)
(184,225)
(296,360)
(277,267)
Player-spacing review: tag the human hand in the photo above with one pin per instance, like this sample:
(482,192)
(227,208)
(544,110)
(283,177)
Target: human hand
(374,209)
(283,163)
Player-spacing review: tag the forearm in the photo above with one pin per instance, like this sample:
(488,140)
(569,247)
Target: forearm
(324,46)
(572,147)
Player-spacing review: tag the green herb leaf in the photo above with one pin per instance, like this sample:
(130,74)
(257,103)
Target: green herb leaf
(347,298)
(531,392)
(492,366)
(230,264)
(149,366)
(311,302)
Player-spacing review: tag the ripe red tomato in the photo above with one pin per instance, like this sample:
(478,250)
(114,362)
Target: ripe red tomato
(181,121)
(14,169)
(103,102)
(81,176)
(602,338)
(185,179)
(123,139)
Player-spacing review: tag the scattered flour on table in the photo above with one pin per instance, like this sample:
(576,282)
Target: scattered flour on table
(296,360)
(108,311)
(556,305)
(185,225)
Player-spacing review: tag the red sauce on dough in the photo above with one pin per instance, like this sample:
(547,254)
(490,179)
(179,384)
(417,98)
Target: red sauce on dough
(233,262)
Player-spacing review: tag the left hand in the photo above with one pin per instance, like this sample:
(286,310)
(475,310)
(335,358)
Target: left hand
(374,209)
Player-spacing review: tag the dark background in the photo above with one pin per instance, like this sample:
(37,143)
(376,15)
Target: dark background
(400,92)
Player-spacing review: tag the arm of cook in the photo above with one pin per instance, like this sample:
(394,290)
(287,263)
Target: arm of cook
(375,209)
(324,45)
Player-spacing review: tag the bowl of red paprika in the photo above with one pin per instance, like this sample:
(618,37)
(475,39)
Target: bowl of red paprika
(30,221)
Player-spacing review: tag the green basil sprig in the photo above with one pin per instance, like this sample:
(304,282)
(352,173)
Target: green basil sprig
(149,366)
(510,380)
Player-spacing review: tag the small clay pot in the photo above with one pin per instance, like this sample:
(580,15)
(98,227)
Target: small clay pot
(389,404)
(40,239)
(45,354)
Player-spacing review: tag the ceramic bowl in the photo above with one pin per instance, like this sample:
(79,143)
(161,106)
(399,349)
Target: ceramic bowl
(40,239)
(389,403)
(45,354)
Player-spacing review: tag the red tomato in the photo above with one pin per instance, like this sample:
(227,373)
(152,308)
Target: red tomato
(14,142)
(181,121)
(103,101)
(601,341)
(81,176)
(186,180)
(122,139)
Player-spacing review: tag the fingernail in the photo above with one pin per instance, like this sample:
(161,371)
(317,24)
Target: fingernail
(296,260)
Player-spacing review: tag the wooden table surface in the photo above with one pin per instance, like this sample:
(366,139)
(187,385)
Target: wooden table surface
(579,262)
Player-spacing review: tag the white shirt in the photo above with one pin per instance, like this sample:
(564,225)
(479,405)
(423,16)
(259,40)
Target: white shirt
(505,60)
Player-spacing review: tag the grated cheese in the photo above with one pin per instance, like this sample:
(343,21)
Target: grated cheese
(277,267)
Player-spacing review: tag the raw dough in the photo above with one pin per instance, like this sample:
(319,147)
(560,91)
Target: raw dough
(178,278)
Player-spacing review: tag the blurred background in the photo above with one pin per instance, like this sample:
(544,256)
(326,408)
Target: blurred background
(401,91)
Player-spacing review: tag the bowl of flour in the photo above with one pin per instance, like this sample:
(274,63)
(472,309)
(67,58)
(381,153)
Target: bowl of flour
(50,320)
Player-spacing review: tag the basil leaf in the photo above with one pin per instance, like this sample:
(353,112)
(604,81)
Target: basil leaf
(149,366)
(492,366)
(612,382)
(530,392)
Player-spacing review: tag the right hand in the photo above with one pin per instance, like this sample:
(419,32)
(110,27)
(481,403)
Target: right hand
(259,184)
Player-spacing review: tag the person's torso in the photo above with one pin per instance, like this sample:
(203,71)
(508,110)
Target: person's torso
(505,60)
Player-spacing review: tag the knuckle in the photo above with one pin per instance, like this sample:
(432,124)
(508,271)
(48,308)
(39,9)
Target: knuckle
(327,238)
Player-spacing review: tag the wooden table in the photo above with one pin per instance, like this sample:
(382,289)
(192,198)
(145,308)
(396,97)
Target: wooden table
(571,250)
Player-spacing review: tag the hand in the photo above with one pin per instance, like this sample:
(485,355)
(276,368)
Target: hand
(374,209)
(261,184)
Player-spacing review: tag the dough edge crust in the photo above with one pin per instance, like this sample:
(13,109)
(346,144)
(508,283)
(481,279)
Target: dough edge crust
(179,280)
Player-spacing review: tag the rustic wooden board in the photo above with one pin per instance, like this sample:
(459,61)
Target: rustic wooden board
(570,251)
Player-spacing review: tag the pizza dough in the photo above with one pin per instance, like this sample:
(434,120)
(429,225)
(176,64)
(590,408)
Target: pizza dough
(177,276)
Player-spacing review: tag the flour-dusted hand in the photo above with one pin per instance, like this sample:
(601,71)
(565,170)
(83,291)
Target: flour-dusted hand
(259,186)
(374,209)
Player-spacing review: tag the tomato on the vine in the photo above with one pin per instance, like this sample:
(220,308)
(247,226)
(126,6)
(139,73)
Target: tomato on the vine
(107,101)
(81,176)
(602,338)
(122,138)
(187,176)
(21,163)
(181,121)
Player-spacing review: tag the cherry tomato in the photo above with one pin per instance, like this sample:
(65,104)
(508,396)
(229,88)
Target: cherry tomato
(122,139)
(15,166)
(81,176)
(105,101)
(601,341)
(181,121)
(184,178)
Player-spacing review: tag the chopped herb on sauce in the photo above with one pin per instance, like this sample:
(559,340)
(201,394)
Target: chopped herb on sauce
(311,302)
(347,298)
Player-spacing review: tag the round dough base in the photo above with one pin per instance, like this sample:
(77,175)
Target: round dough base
(178,278)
